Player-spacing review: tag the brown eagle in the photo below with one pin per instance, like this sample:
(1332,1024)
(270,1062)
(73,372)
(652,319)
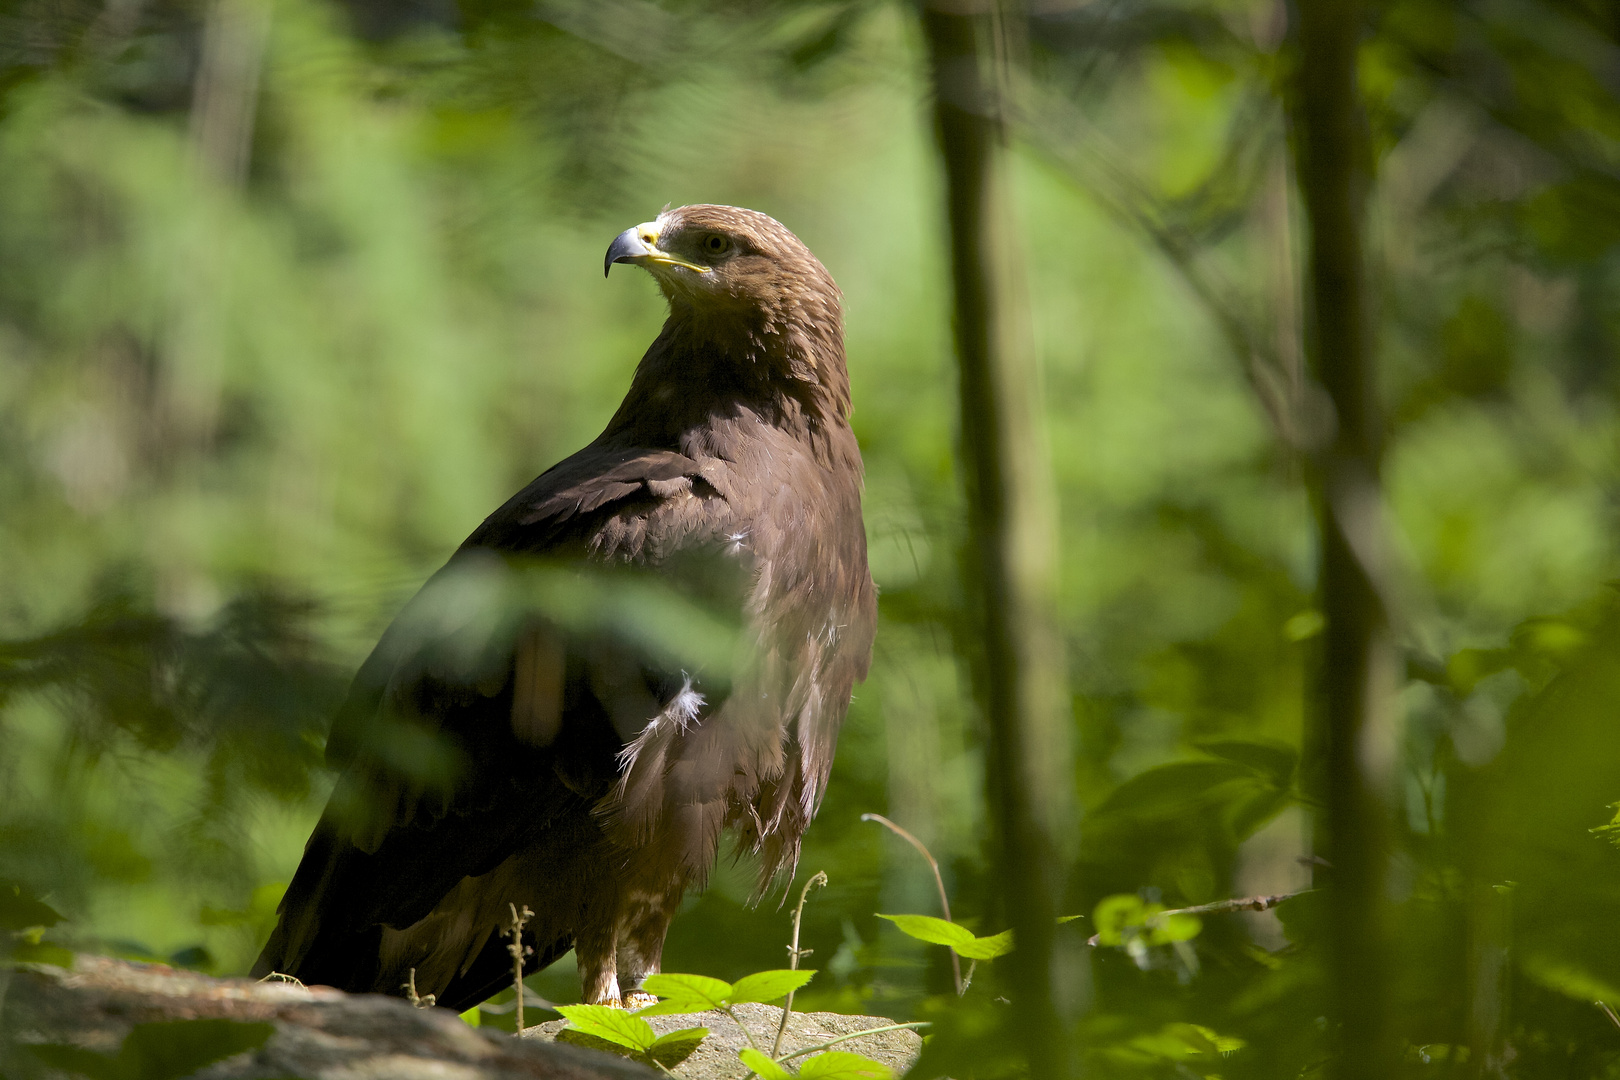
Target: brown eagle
(567,766)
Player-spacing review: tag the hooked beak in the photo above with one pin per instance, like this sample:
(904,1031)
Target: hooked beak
(640,245)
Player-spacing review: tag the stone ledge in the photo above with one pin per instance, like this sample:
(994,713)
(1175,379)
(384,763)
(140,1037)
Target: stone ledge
(321,1033)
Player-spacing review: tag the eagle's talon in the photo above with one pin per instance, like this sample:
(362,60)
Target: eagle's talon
(612,1003)
(639,999)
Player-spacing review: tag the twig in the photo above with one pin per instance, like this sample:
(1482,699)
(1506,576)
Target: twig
(409,986)
(518,949)
(852,1035)
(278,977)
(1610,1013)
(534,1000)
(794,954)
(1239,903)
(939,883)
(735,1019)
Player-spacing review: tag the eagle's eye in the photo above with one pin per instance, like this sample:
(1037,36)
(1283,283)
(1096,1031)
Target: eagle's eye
(715,244)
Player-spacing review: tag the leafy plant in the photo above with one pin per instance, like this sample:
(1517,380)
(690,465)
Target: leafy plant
(681,994)
(1128,922)
(699,993)
(630,1031)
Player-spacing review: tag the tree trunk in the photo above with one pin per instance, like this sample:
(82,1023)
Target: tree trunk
(1357,680)
(1012,542)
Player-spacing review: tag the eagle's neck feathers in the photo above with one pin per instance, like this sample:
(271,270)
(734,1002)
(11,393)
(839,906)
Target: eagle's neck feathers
(783,362)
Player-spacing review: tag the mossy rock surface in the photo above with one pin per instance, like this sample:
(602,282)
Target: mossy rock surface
(319,1033)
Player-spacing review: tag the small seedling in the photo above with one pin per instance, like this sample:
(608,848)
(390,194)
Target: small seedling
(699,993)
(795,954)
(519,951)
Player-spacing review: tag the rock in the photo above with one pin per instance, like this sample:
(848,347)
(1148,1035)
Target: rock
(716,1057)
(319,1033)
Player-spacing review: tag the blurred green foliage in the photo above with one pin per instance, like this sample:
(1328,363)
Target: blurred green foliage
(263,365)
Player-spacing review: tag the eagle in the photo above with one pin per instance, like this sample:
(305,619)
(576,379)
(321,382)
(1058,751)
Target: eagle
(571,766)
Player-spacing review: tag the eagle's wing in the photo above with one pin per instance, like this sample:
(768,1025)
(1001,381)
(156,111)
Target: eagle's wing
(465,736)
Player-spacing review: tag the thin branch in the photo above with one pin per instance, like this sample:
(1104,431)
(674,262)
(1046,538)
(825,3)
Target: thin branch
(278,977)
(735,1019)
(1051,123)
(518,951)
(1216,907)
(1240,903)
(794,955)
(914,1024)
(532,999)
(939,883)
(1610,1013)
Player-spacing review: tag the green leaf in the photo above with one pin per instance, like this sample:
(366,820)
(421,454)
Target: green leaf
(20,909)
(1175,1042)
(764,1066)
(1168,928)
(932,930)
(1178,789)
(1126,915)
(1275,759)
(1068,918)
(610,1025)
(766,986)
(1116,914)
(473,1017)
(842,1065)
(685,993)
(672,1039)
(1563,977)
(76,1059)
(986,948)
(41,952)
(168,1050)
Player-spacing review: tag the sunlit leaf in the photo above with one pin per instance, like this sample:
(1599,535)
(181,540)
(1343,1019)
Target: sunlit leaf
(842,1065)
(986,948)
(1125,915)
(932,930)
(610,1025)
(767,986)
(1115,914)
(674,1040)
(685,993)
(764,1066)
(1180,1041)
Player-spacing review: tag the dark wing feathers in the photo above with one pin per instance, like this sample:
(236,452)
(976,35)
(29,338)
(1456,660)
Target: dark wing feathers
(382,854)
(541,724)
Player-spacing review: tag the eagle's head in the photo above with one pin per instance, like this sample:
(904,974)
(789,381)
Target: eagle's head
(727,260)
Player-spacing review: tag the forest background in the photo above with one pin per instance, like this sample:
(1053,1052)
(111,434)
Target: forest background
(293,293)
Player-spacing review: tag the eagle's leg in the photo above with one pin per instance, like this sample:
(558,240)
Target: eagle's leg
(644,918)
(598,973)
